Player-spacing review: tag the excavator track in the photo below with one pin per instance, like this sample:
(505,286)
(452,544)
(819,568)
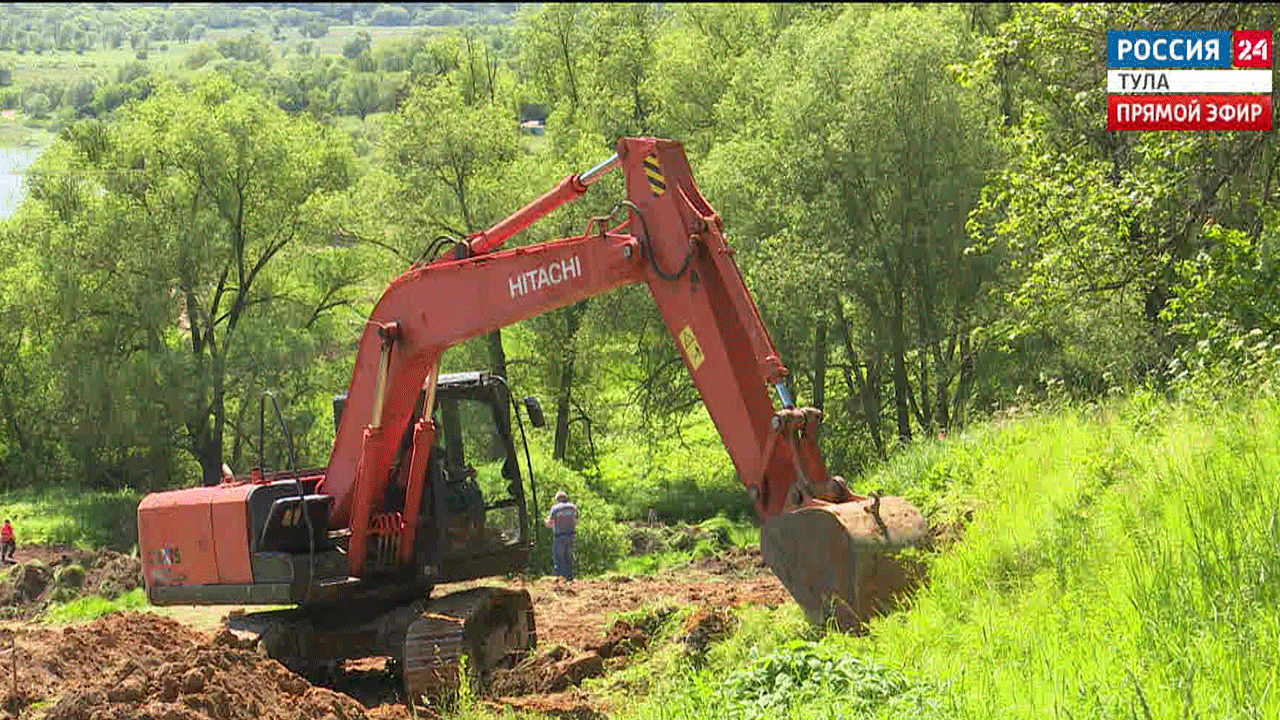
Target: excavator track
(490,626)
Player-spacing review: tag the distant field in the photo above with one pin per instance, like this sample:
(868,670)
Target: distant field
(65,66)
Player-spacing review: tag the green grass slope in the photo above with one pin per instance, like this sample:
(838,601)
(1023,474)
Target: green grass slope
(1121,561)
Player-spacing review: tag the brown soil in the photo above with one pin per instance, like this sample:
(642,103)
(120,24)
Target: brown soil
(141,665)
(575,614)
(574,704)
(704,627)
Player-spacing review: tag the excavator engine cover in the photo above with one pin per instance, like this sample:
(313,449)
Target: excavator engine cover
(839,560)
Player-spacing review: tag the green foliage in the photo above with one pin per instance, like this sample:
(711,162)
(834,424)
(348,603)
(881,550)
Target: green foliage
(1227,311)
(800,673)
(249,48)
(393,15)
(186,177)
(1105,545)
(357,46)
(601,541)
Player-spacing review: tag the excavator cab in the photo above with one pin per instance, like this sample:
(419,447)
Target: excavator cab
(477,490)
(475,520)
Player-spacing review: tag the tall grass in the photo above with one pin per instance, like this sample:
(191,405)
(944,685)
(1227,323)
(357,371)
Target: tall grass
(1122,561)
(65,516)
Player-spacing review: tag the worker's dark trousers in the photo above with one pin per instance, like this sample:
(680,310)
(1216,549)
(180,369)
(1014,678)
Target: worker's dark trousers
(562,554)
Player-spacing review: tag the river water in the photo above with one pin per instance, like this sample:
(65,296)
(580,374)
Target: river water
(13,161)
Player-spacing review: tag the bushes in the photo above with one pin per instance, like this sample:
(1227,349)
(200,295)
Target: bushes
(802,672)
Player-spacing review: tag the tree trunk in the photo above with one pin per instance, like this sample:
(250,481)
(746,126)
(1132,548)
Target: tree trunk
(820,363)
(497,357)
(564,394)
(867,388)
(944,378)
(208,452)
(901,384)
(925,410)
(965,384)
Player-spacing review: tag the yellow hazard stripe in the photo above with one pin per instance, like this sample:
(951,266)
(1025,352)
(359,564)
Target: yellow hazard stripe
(654,172)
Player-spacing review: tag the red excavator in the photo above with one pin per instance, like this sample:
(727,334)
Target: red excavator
(424,487)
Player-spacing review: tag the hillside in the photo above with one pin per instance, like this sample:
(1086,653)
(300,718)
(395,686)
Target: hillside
(1121,560)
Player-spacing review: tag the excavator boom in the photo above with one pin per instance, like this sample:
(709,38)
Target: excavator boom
(674,244)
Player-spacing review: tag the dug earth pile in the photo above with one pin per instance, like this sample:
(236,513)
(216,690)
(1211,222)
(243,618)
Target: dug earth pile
(147,666)
(45,575)
(140,665)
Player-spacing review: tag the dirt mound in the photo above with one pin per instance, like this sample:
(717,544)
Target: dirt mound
(704,627)
(551,670)
(646,539)
(574,704)
(556,668)
(734,562)
(622,639)
(113,574)
(27,582)
(138,665)
(50,662)
(47,575)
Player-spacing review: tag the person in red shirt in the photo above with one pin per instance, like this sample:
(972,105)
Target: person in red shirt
(7,543)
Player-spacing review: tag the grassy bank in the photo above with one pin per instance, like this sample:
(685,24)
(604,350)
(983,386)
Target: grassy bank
(1121,561)
(70,517)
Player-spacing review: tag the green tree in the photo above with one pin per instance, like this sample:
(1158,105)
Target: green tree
(362,94)
(876,228)
(36,104)
(314,29)
(357,46)
(220,196)
(390,15)
(1094,225)
(445,162)
(248,48)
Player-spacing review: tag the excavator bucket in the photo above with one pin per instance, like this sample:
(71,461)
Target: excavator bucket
(839,560)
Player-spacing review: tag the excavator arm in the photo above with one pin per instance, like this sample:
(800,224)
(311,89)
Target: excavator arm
(831,548)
